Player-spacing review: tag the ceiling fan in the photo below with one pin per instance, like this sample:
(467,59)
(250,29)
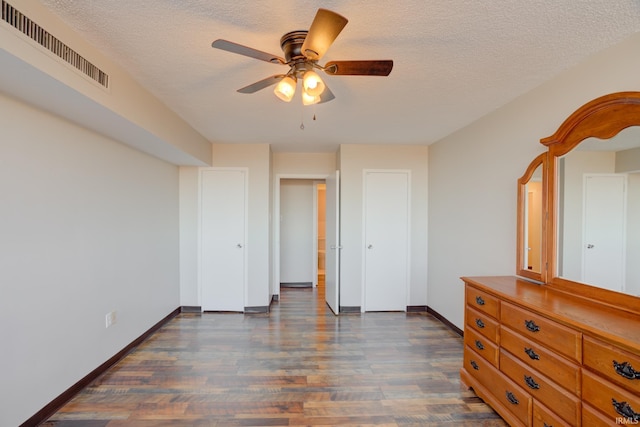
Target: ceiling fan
(302,51)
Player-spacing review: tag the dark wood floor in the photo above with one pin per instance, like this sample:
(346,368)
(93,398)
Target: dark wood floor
(299,365)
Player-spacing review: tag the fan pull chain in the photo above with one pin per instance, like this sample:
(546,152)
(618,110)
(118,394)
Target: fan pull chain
(302,117)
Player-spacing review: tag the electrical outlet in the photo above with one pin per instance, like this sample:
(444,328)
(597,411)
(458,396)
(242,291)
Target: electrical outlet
(110,319)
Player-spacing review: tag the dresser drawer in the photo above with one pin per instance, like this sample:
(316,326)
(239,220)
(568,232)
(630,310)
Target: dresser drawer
(562,371)
(510,395)
(482,346)
(483,324)
(556,398)
(619,366)
(613,401)
(482,301)
(544,417)
(594,418)
(555,336)
(478,367)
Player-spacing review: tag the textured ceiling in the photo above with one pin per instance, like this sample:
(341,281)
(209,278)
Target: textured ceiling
(454,61)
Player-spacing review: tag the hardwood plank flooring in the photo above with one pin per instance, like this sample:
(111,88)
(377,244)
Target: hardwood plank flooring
(297,366)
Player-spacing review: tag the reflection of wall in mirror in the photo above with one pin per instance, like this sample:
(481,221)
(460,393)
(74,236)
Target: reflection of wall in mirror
(633,236)
(573,168)
(533,244)
(628,161)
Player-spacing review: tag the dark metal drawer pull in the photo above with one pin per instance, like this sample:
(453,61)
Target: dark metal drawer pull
(475,365)
(546,425)
(626,370)
(479,300)
(480,323)
(532,354)
(531,325)
(624,409)
(512,398)
(479,345)
(531,382)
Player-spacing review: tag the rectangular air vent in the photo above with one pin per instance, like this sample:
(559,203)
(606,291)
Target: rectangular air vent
(26,26)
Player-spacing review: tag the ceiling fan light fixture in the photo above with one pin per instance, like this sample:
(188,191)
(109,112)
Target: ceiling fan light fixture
(286,88)
(302,50)
(309,99)
(312,83)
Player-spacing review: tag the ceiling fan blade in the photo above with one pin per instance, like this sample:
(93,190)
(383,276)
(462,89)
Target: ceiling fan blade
(324,29)
(359,68)
(259,85)
(247,51)
(326,95)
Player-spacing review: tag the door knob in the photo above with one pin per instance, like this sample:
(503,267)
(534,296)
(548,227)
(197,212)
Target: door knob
(239,246)
(590,246)
(370,246)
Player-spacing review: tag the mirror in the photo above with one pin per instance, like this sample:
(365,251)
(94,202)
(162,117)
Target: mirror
(531,209)
(598,212)
(593,194)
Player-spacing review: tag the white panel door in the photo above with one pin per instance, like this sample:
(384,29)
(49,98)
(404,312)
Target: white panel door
(604,231)
(386,237)
(223,249)
(332,243)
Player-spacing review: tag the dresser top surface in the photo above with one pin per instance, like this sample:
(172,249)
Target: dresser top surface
(598,319)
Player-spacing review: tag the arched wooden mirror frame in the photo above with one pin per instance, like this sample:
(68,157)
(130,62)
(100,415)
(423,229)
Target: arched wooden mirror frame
(603,118)
(521,252)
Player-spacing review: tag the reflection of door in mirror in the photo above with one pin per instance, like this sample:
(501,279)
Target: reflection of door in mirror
(532,205)
(598,211)
(533,220)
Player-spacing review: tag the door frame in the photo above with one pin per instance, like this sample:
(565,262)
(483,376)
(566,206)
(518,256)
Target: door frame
(363,289)
(245,170)
(275,266)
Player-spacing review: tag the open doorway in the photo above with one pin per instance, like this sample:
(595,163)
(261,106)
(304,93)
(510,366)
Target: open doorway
(301,233)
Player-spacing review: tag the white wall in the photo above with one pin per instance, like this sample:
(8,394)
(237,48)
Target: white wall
(628,160)
(88,226)
(633,234)
(473,173)
(353,160)
(189,214)
(124,111)
(301,164)
(297,244)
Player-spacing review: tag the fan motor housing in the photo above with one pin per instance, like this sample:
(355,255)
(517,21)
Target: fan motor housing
(291,44)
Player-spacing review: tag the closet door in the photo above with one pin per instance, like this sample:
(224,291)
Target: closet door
(223,221)
(386,238)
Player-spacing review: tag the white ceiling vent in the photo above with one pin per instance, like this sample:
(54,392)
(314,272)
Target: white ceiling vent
(26,26)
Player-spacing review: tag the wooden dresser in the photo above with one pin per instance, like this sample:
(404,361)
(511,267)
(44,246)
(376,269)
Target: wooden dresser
(541,356)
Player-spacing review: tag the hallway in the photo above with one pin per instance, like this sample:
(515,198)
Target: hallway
(298,365)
